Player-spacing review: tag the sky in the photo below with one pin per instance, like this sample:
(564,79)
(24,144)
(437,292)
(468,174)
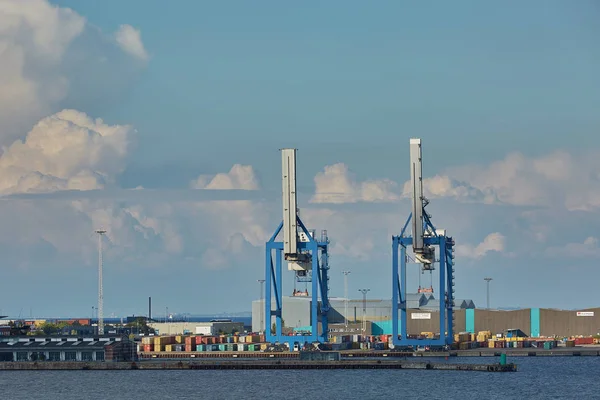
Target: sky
(162,123)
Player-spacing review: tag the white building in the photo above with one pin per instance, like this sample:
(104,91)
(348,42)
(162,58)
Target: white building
(197,328)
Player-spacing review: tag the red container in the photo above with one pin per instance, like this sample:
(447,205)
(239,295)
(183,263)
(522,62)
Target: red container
(189,340)
(586,340)
(148,348)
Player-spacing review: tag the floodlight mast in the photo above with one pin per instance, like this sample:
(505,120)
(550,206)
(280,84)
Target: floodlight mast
(100,309)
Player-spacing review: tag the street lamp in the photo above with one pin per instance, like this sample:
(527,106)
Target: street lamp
(364,319)
(487,281)
(262,322)
(346,298)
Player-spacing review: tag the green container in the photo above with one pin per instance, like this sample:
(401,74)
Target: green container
(503,359)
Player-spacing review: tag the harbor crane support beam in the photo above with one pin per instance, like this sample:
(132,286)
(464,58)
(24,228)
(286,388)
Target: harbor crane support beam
(305,254)
(425,237)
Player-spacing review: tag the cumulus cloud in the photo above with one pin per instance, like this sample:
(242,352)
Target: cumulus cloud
(590,248)
(363,235)
(130,40)
(559,179)
(50,58)
(336,184)
(492,242)
(67,150)
(242,224)
(239,176)
(444,186)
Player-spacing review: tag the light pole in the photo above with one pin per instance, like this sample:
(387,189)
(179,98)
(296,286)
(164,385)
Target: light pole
(364,319)
(346,298)
(262,322)
(100,310)
(487,281)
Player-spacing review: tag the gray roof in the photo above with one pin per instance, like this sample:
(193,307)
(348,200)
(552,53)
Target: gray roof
(54,346)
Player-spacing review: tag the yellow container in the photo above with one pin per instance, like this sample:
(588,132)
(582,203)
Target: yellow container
(464,337)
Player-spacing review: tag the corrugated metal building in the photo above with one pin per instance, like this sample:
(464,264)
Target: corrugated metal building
(296,313)
(568,323)
(297,310)
(534,322)
(423,316)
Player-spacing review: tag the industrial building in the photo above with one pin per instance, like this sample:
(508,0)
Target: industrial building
(423,316)
(215,327)
(57,348)
(296,311)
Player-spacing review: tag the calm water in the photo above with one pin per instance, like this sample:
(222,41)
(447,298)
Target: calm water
(538,378)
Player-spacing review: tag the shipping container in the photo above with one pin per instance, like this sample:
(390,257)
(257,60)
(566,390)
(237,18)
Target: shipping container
(583,341)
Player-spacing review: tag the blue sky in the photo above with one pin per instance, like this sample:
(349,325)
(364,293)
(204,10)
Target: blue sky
(504,96)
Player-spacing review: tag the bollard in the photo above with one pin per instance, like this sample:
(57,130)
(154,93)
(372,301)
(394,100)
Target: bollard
(503,359)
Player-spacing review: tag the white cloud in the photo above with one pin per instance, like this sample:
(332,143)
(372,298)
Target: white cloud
(336,184)
(239,177)
(589,249)
(444,186)
(50,57)
(492,242)
(362,235)
(67,150)
(558,179)
(130,40)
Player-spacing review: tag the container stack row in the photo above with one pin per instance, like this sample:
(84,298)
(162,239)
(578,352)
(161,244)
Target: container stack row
(484,339)
(180,343)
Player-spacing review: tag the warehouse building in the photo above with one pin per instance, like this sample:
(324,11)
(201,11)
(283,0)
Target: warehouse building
(423,316)
(57,348)
(214,327)
(296,312)
(534,322)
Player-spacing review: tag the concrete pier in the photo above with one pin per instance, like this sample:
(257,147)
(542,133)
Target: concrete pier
(211,364)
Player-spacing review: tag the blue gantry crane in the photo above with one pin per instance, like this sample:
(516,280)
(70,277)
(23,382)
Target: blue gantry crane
(306,255)
(425,237)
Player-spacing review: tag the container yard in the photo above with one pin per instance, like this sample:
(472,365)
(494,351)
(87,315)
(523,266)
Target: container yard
(255,346)
(199,345)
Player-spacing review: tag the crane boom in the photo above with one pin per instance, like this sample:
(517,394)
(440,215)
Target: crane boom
(423,253)
(290,203)
(416,180)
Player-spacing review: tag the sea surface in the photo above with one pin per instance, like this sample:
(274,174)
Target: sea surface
(537,378)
